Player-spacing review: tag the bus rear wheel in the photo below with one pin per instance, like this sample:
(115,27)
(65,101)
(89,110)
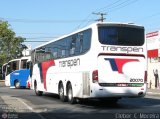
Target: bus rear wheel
(70,97)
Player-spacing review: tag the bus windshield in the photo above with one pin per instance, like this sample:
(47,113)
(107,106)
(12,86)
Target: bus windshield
(121,35)
(12,66)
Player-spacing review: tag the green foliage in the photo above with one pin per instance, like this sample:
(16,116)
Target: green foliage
(10,46)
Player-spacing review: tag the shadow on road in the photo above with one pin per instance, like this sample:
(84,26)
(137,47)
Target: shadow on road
(124,103)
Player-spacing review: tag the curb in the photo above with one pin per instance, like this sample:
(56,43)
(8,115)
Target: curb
(153,93)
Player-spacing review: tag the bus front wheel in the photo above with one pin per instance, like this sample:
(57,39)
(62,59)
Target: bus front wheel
(17,84)
(61,93)
(37,92)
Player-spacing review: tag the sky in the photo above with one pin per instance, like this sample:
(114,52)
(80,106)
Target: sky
(44,20)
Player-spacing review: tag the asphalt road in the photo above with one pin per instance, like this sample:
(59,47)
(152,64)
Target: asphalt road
(23,103)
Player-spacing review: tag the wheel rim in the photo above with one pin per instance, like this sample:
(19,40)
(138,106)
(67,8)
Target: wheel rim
(70,94)
(61,92)
(17,84)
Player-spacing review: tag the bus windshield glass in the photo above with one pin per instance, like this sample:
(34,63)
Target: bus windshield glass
(121,35)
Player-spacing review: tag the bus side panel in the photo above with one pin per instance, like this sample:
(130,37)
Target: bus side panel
(37,78)
(56,75)
(78,76)
(52,80)
(7,80)
(19,75)
(75,79)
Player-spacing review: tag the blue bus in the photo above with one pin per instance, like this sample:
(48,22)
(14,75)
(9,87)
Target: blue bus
(18,72)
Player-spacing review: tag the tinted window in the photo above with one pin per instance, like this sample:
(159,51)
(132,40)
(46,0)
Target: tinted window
(12,66)
(43,54)
(24,64)
(73,45)
(118,35)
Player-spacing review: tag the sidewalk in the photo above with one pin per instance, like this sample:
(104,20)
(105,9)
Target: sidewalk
(2,83)
(153,91)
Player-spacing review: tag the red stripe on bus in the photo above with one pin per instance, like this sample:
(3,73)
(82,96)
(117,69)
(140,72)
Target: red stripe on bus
(45,67)
(121,62)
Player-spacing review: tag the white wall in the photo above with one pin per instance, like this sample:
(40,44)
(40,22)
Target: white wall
(151,78)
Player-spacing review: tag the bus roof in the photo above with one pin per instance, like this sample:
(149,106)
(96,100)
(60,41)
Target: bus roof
(87,27)
(25,57)
(4,64)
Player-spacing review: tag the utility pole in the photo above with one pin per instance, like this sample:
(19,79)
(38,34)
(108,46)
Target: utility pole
(101,16)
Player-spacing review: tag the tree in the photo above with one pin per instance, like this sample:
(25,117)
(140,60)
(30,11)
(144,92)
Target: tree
(10,46)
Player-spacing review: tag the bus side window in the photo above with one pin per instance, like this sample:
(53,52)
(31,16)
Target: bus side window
(23,64)
(80,43)
(15,65)
(73,45)
(86,42)
(28,64)
(55,54)
(63,53)
(9,68)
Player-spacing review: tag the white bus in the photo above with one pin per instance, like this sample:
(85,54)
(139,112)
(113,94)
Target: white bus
(103,60)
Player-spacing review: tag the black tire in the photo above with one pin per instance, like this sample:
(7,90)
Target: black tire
(17,84)
(61,93)
(37,92)
(70,97)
